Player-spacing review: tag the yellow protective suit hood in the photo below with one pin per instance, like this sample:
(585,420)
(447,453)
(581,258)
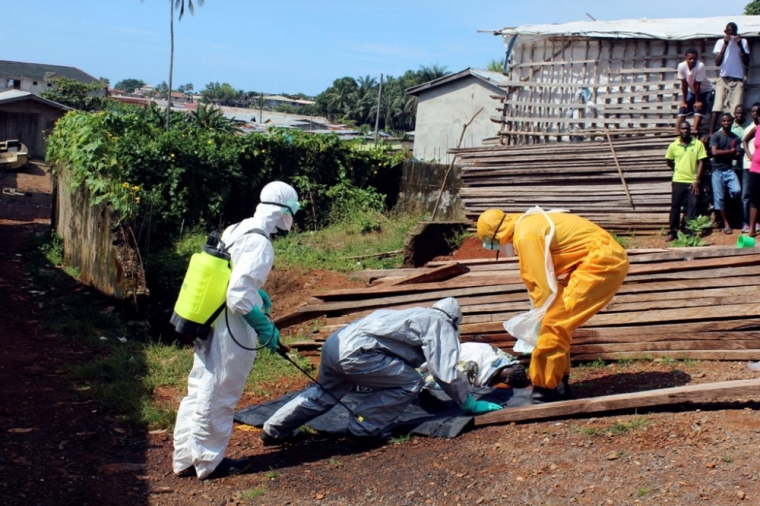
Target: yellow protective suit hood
(495,223)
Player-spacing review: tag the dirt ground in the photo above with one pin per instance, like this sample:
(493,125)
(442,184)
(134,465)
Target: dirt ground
(57,449)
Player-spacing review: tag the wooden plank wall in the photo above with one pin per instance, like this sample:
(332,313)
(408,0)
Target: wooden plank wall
(686,303)
(582,177)
(565,88)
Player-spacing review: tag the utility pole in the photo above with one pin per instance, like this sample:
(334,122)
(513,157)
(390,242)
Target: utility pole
(377,115)
(261,107)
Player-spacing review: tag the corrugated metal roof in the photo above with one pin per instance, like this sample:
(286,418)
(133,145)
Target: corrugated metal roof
(7,97)
(493,78)
(42,71)
(668,28)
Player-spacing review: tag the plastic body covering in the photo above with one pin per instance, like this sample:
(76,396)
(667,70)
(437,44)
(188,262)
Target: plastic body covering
(525,327)
(220,367)
(590,266)
(381,352)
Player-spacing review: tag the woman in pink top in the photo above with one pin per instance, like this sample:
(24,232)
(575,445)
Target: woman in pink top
(754,171)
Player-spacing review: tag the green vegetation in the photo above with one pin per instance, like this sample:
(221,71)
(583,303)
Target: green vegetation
(337,464)
(201,174)
(348,245)
(622,240)
(696,227)
(622,427)
(76,94)
(401,439)
(253,493)
(644,491)
(588,431)
(129,85)
(272,474)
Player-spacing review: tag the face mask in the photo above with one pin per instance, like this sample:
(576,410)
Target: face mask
(505,249)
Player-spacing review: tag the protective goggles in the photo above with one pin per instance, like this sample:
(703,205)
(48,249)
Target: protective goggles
(492,244)
(292,206)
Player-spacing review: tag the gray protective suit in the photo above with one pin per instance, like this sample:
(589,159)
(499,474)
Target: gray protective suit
(220,367)
(381,352)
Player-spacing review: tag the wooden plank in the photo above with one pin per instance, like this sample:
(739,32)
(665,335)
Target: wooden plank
(453,284)
(667,396)
(715,355)
(442,273)
(605,334)
(673,345)
(703,263)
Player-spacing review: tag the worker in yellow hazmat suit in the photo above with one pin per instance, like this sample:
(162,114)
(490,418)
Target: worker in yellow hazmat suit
(575,277)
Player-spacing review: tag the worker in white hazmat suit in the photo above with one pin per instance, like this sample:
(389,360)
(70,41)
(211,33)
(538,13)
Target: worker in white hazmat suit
(381,352)
(221,366)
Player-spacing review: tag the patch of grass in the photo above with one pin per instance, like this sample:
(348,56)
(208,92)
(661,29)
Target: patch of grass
(644,491)
(455,241)
(337,464)
(272,474)
(621,240)
(667,361)
(690,362)
(728,459)
(270,368)
(625,362)
(252,493)
(53,249)
(597,364)
(337,246)
(588,431)
(634,424)
(401,439)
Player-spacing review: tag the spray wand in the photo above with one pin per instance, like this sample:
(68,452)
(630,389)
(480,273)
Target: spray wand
(283,350)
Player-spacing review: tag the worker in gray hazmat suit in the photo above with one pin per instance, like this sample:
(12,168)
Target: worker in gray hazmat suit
(380,352)
(221,366)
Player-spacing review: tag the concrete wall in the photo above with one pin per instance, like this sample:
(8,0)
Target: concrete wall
(30,122)
(444,109)
(420,186)
(96,245)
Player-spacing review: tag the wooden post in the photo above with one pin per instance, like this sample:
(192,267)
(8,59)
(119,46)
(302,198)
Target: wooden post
(451,165)
(620,171)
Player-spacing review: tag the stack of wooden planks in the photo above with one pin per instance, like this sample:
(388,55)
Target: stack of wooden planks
(620,184)
(696,303)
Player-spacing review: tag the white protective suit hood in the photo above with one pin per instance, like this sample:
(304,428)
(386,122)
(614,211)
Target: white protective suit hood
(272,213)
(450,307)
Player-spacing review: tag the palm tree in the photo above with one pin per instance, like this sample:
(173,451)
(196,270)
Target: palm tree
(179,5)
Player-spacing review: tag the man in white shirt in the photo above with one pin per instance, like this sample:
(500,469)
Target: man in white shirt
(696,89)
(732,55)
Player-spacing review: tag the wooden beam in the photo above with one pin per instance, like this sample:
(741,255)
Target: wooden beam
(662,397)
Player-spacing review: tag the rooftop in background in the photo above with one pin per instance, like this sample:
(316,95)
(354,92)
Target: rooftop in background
(7,97)
(42,71)
(280,98)
(668,29)
(493,78)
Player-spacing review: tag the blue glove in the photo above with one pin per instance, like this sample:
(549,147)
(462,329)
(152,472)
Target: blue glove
(473,407)
(267,301)
(269,336)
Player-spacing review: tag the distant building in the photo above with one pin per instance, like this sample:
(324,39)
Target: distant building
(28,118)
(37,77)
(445,104)
(181,98)
(274,101)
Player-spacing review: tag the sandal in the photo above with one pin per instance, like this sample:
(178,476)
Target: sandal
(728,231)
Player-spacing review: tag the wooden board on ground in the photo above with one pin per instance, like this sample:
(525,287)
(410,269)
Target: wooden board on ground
(662,397)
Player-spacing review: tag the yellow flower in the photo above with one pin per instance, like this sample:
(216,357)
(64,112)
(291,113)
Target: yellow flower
(125,185)
(137,200)
(209,142)
(172,155)
(135,188)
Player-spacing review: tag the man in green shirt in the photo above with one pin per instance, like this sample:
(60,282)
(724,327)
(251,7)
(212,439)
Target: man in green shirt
(686,157)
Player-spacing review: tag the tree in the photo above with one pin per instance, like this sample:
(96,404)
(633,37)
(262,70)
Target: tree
(76,94)
(129,85)
(180,6)
(185,88)
(495,66)
(106,82)
(752,8)
(212,118)
(163,90)
(219,93)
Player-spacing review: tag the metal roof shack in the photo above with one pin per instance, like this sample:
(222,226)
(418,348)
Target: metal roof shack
(41,71)
(27,117)
(586,77)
